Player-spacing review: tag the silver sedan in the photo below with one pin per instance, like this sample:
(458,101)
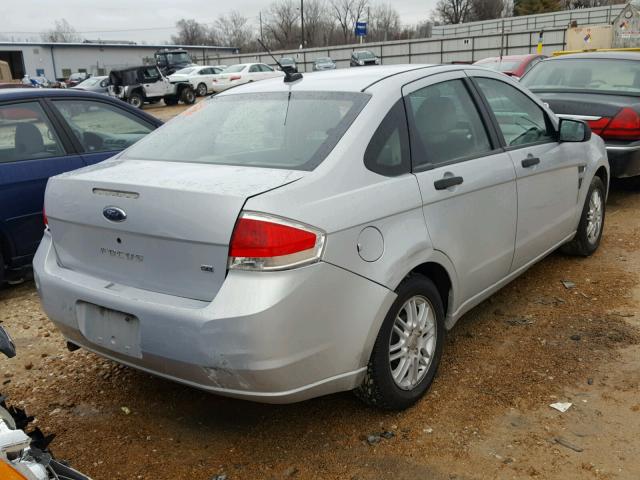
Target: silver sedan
(289,239)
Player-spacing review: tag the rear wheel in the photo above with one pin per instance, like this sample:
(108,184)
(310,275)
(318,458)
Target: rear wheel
(408,348)
(136,99)
(188,96)
(591,224)
(202,90)
(170,101)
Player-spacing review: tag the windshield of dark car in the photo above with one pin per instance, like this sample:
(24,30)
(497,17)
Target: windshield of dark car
(293,130)
(177,58)
(500,66)
(365,55)
(606,75)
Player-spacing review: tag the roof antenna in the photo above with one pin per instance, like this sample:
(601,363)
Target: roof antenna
(289,74)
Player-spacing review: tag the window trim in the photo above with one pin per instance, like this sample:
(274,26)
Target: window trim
(69,131)
(494,141)
(496,124)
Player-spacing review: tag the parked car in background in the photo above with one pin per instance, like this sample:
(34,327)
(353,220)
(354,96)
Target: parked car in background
(44,132)
(170,60)
(324,63)
(243,73)
(512,65)
(200,77)
(76,78)
(289,63)
(370,208)
(603,89)
(147,84)
(95,84)
(361,58)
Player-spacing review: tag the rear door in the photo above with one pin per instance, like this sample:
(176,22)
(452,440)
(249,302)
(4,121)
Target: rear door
(548,172)
(32,149)
(467,181)
(100,129)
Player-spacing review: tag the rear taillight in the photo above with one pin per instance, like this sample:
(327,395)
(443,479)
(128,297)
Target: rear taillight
(265,242)
(624,126)
(597,126)
(44,217)
(234,77)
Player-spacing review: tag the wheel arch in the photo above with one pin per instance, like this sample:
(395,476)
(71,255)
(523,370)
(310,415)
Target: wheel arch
(602,173)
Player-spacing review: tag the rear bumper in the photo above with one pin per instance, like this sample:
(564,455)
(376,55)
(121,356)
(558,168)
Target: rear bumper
(624,160)
(276,337)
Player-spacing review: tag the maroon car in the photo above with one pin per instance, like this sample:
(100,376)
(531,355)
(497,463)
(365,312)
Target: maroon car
(512,65)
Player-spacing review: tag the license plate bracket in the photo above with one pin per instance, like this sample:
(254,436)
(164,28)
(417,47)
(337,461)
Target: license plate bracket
(110,329)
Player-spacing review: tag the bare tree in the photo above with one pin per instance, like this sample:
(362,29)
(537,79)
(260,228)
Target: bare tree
(63,32)
(283,24)
(190,32)
(384,23)
(486,9)
(233,30)
(318,24)
(341,13)
(453,11)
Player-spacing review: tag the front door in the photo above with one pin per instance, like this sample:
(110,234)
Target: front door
(547,171)
(467,182)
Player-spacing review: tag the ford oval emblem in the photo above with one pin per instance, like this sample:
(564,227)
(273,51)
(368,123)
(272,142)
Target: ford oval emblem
(114,214)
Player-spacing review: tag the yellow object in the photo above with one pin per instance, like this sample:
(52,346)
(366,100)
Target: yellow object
(7,472)
(569,52)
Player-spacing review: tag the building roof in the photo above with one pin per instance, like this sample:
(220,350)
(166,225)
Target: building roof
(113,45)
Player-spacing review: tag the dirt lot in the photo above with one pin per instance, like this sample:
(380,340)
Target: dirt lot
(486,416)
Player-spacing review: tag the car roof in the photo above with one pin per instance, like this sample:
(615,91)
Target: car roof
(343,79)
(611,55)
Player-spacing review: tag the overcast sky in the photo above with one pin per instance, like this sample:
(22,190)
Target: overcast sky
(27,18)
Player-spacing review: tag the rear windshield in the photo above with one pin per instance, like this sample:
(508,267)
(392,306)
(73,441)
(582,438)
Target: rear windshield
(500,66)
(596,74)
(292,130)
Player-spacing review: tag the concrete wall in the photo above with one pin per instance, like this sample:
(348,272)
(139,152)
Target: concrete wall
(428,50)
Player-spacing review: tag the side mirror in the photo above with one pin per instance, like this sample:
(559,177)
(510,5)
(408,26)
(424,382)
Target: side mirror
(574,130)
(6,344)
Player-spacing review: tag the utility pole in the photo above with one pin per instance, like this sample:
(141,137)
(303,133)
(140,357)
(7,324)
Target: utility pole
(302,23)
(261,36)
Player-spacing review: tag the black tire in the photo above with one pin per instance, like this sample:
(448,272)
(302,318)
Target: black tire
(379,389)
(583,244)
(136,99)
(202,90)
(188,96)
(170,101)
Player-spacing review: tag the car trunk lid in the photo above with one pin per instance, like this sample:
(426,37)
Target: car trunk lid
(170,222)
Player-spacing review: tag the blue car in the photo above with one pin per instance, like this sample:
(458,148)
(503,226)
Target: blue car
(44,132)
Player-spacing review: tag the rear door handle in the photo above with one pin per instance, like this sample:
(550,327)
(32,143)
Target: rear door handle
(447,182)
(530,162)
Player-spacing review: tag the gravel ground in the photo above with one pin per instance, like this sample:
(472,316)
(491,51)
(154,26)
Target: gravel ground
(487,414)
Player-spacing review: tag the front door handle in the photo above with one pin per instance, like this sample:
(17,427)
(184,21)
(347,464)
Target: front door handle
(530,162)
(447,182)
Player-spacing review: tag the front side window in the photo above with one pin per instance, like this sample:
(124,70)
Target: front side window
(26,134)
(150,74)
(388,151)
(293,130)
(101,127)
(445,125)
(521,120)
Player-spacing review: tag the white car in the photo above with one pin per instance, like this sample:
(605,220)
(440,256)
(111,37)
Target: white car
(243,73)
(200,77)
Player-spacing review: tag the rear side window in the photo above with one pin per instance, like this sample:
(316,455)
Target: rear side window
(445,125)
(292,130)
(26,134)
(388,151)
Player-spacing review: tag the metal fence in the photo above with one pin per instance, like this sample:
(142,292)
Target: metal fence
(583,16)
(426,50)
